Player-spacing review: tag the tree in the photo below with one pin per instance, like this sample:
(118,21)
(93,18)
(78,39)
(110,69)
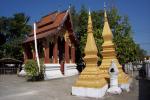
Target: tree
(140,52)
(79,22)
(74,18)
(82,30)
(14,29)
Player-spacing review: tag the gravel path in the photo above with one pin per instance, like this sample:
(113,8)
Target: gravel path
(13,87)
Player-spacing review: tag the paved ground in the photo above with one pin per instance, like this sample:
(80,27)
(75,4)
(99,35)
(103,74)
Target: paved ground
(16,88)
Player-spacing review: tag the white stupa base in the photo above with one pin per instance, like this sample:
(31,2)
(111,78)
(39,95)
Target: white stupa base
(114,90)
(70,69)
(89,92)
(52,71)
(126,86)
(22,72)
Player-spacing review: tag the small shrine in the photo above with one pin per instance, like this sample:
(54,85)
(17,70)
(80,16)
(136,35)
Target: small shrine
(56,43)
(113,83)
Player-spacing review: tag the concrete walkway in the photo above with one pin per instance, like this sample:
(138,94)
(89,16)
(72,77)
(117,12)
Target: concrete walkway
(13,87)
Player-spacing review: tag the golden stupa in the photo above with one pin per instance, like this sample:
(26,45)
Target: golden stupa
(109,54)
(90,82)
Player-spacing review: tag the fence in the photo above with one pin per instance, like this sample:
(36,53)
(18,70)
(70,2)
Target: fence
(142,66)
(8,69)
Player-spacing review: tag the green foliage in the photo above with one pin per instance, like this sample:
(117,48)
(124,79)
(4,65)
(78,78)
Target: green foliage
(79,20)
(32,70)
(82,30)
(13,30)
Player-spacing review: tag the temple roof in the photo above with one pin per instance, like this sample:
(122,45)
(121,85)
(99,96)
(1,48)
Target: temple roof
(49,25)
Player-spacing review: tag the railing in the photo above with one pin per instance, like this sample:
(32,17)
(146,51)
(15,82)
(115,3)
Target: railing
(143,67)
(8,70)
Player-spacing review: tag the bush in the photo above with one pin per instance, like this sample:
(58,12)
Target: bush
(32,71)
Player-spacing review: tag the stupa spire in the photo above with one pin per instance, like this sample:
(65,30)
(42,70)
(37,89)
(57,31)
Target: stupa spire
(105,15)
(90,44)
(107,33)
(109,53)
(90,27)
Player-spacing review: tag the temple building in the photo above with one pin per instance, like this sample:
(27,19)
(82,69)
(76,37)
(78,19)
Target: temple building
(56,43)
(109,54)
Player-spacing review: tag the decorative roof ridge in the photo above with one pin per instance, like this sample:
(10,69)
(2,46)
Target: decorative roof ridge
(50,14)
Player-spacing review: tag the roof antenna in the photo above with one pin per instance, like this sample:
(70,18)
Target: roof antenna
(69,6)
(58,10)
(104,5)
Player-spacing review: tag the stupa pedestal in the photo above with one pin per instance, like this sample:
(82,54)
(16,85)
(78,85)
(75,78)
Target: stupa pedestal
(90,82)
(109,54)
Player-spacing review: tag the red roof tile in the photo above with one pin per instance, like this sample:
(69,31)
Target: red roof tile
(39,36)
(46,24)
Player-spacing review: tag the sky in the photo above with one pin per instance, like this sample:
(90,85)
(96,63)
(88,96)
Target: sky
(138,12)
